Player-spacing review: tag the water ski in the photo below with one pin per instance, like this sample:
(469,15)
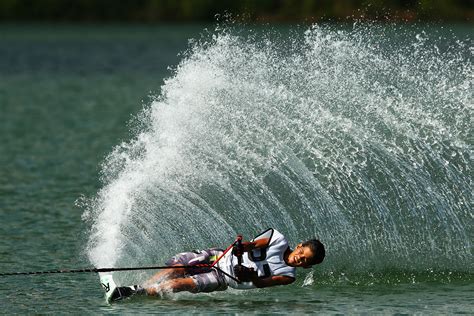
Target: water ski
(114,292)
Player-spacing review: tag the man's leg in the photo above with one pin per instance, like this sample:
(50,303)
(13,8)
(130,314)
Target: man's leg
(181,259)
(201,282)
(176,280)
(173,285)
(166,274)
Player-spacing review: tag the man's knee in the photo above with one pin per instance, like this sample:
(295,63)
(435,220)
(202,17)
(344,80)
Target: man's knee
(185,284)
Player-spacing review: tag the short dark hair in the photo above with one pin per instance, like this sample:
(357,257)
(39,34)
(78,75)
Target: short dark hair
(317,248)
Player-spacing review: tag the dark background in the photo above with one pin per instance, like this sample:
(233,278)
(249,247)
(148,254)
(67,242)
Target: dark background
(149,11)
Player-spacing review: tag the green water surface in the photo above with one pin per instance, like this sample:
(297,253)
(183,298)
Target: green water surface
(66,95)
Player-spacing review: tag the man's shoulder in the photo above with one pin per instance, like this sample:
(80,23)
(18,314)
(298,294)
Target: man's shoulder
(278,237)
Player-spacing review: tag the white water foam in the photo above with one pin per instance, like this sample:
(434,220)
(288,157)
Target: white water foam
(341,135)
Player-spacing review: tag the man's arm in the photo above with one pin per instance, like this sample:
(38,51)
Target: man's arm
(272,281)
(250,245)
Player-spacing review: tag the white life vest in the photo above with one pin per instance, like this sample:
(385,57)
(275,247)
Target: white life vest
(267,261)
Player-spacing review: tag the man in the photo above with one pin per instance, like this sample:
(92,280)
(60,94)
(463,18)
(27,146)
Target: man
(265,261)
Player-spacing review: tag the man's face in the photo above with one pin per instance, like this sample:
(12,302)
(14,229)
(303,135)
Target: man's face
(300,257)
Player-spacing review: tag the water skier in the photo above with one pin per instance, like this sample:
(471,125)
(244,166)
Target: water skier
(265,261)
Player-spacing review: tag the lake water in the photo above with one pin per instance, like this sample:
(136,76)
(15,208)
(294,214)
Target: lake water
(122,145)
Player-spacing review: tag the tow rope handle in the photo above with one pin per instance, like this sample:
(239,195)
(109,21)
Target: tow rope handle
(240,249)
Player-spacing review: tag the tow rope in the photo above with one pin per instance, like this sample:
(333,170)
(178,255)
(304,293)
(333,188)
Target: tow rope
(237,241)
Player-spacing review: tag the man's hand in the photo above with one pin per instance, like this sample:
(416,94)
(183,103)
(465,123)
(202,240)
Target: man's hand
(238,251)
(245,274)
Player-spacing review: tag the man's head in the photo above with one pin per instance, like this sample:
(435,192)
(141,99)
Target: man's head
(307,254)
